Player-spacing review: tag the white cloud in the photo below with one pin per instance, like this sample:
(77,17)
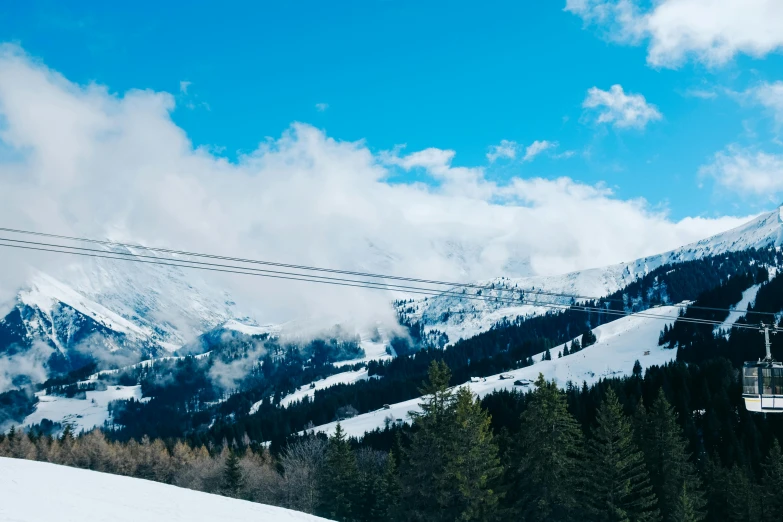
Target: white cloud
(769,95)
(537,147)
(506,149)
(321,107)
(82,161)
(711,31)
(704,94)
(183,86)
(747,171)
(620,109)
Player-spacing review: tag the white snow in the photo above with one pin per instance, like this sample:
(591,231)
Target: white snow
(36,491)
(748,297)
(469,317)
(306,391)
(247,329)
(81,414)
(618,346)
(373,350)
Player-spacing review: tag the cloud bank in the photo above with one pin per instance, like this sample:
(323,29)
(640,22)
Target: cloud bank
(709,31)
(82,160)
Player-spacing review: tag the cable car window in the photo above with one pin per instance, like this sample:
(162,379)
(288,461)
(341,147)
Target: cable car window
(777,381)
(750,384)
(766,381)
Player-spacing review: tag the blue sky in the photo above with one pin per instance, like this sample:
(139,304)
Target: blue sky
(453,75)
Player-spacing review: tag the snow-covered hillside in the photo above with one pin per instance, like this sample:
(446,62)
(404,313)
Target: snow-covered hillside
(463,318)
(36,491)
(618,346)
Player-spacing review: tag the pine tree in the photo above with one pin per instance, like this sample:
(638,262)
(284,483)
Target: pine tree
(575,346)
(472,466)
(565,350)
(232,476)
(588,339)
(388,505)
(426,457)
(668,461)
(547,356)
(771,481)
(637,368)
(619,488)
(684,508)
(339,480)
(547,479)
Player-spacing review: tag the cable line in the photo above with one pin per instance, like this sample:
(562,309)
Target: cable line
(337,271)
(138,258)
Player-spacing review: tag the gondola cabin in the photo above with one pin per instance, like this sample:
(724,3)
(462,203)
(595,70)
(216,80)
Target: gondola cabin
(762,386)
(762,382)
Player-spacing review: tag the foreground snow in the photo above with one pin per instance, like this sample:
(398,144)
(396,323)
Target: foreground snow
(619,345)
(36,491)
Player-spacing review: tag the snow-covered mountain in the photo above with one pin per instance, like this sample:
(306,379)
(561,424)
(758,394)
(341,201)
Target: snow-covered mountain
(618,346)
(80,495)
(463,318)
(118,313)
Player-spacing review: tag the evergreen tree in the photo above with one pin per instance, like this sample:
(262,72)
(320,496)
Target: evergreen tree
(388,506)
(575,346)
(565,350)
(588,339)
(547,355)
(684,508)
(232,476)
(472,465)
(426,458)
(637,368)
(771,481)
(547,480)
(619,488)
(668,461)
(339,479)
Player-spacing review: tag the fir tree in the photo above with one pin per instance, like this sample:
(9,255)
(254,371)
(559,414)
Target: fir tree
(771,481)
(575,346)
(637,368)
(619,488)
(426,458)
(339,480)
(547,479)
(388,506)
(668,461)
(232,476)
(472,465)
(547,355)
(588,339)
(565,350)
(684,508)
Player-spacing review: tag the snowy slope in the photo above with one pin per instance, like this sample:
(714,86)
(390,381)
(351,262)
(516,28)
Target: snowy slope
(619,344)
(748,298)
(464,318)
(306,391)
(81,414)
(36,491)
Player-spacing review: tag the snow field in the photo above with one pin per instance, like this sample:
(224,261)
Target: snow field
(36,491)
(618,346)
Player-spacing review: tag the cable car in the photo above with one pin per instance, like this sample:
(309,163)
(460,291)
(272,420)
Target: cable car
(762,382)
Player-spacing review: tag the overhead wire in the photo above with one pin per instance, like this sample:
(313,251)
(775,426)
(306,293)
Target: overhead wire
(140,258)
(338,271)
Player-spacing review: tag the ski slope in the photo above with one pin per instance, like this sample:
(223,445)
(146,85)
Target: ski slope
(618,346)
(748,298)
(81,414)
(462,318)
(35,491)
(306,391)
